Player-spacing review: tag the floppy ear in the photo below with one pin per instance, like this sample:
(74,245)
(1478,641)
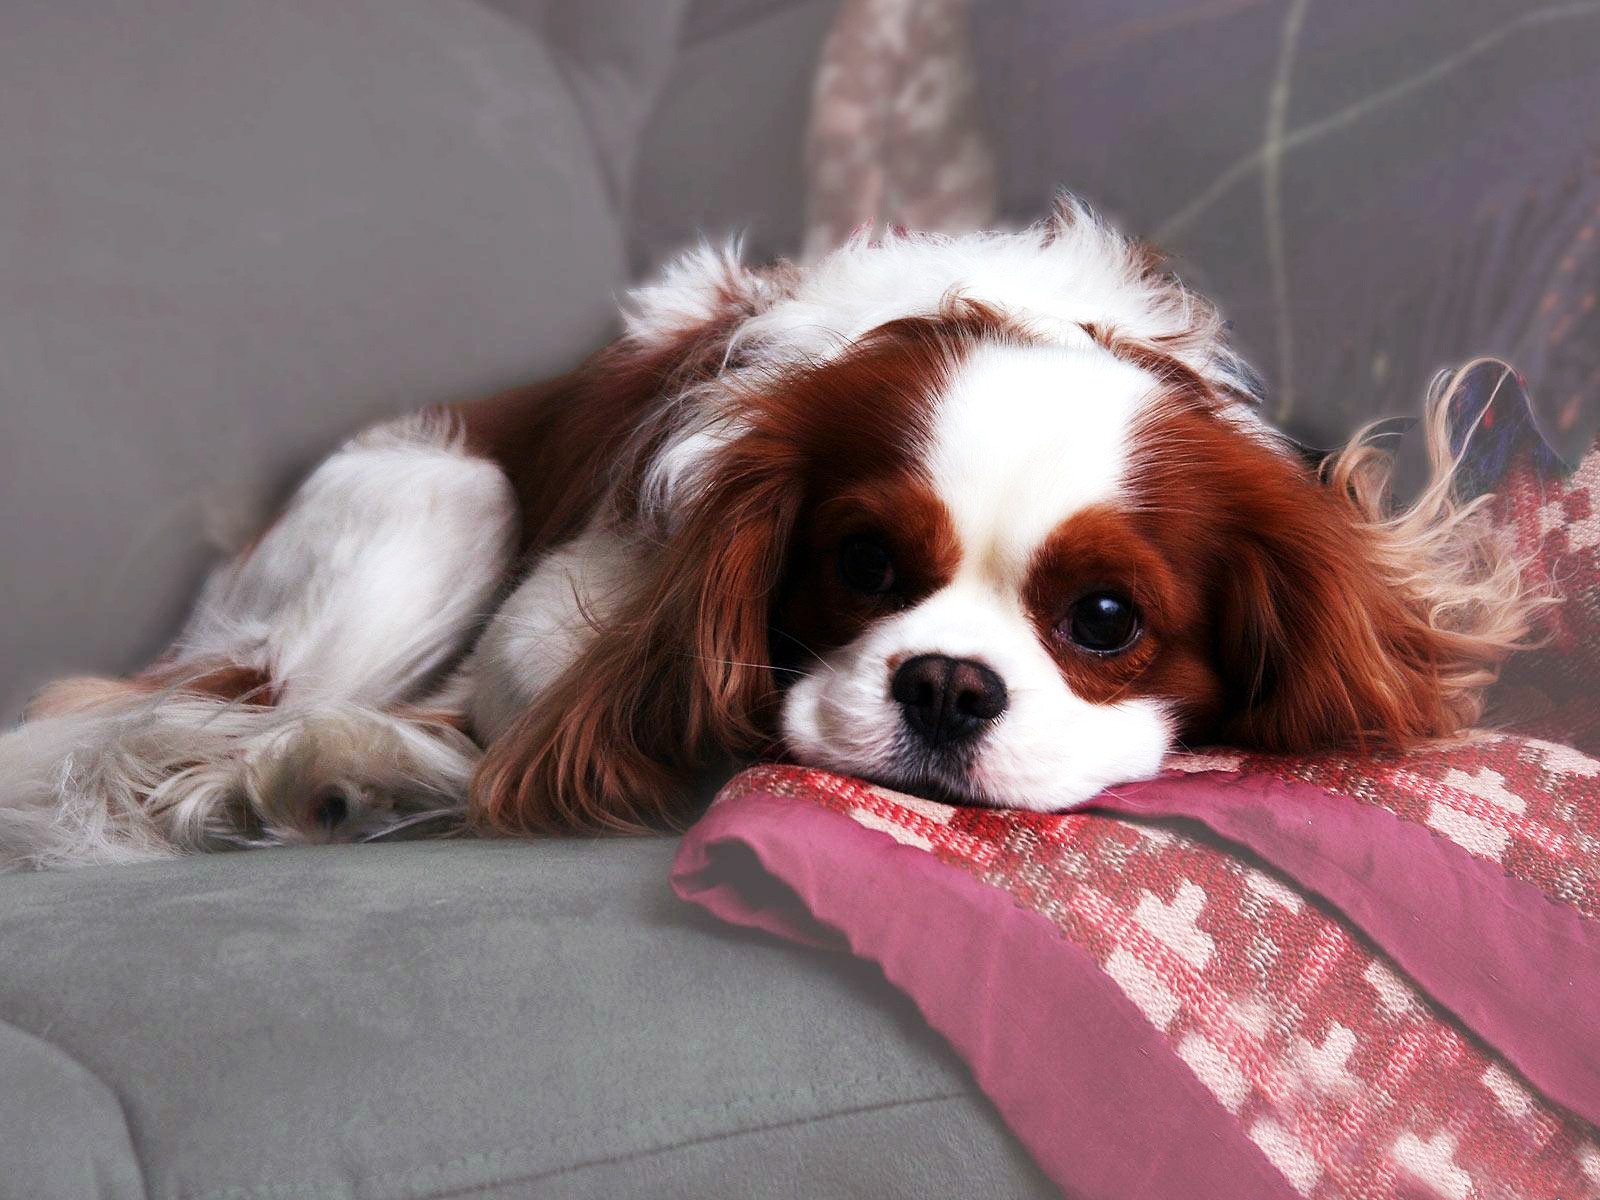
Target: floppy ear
(679,672)
(676,682)
(1343,623)
(1315,647)
(565,443)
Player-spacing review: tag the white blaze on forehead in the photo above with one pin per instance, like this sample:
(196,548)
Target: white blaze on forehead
(1025,436)
(1021,438)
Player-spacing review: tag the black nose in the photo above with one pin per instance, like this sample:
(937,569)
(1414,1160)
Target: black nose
(946,699)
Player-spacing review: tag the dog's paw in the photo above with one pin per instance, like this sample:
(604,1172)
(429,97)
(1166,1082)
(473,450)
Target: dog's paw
(348,774)
(319,775)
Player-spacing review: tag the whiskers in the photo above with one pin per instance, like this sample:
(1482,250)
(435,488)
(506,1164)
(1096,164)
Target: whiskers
(734,662)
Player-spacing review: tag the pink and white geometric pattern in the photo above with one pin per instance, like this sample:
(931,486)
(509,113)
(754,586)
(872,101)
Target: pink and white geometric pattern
(1352,1083)
(1531,806)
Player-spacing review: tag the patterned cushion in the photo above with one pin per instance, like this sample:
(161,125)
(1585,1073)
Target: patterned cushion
(1528,805)
(1556,522)
(1348,1075)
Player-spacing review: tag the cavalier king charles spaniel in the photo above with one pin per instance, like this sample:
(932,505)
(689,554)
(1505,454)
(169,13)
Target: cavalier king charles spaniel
(991,518)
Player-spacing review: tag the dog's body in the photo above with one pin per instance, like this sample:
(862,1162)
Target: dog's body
(992,517)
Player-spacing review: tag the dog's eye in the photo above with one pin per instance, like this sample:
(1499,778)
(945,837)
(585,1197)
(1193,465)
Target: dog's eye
(865,565)
(1102,623)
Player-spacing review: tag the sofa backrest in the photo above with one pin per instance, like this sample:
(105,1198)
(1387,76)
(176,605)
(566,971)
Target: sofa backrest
(233,233)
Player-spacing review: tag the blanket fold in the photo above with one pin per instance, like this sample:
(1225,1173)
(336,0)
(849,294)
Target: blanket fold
(1106,1111)
(1520,970)
(1224,982)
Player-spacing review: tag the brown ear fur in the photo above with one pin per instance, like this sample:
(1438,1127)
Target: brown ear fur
(561,442)
(1315,646)
(678,682)
(1345,621)
(1340,618)
(681,680)
(675,672)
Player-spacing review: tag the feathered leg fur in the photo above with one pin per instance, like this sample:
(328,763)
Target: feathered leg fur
(290,709)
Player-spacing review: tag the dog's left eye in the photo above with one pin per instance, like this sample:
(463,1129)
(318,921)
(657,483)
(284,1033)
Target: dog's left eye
(865,565)
(1102,623)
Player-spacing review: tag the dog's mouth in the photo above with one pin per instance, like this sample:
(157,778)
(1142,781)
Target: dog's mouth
(944,775)
(949,772)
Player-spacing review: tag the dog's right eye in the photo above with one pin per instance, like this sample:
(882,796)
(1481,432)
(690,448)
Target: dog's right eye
(865,565)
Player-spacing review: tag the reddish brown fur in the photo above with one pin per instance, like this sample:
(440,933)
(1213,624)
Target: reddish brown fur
(1312,647)
(1309,644)
(221,681)
(560,442)
(817,612)
(684,678)
(225,681)
(1106,549)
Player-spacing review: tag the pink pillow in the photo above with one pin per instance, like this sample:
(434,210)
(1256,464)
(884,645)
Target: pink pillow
(1555,690)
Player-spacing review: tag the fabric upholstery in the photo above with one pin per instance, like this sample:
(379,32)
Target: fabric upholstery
(615,56)
(232,234)
(67,1135)
(461,1018)
(721,153)
(1371,190)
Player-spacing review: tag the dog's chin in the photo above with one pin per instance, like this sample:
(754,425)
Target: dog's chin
(943,790)
(964,780)
(946,779)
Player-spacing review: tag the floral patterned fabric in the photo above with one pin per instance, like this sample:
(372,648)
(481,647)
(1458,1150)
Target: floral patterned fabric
(895,136)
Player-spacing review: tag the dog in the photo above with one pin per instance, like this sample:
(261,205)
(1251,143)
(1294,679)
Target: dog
(993,518)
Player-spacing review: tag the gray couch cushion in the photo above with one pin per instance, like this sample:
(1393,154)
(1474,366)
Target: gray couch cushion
(616,55)
(233,232)
(468,1018)
(68,1135)
(723,151)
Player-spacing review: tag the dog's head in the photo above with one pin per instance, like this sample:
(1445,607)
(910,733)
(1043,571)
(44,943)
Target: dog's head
(992,519)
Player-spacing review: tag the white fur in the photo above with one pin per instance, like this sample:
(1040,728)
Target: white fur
(698,286)
(545,624)
(1023,438)
(1057,275)
(168,774)
(1052,278)
(370,584)
(1056,283)
(366,586)
(1051,749)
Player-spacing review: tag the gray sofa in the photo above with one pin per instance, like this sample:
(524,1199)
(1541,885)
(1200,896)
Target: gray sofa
(232,233)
